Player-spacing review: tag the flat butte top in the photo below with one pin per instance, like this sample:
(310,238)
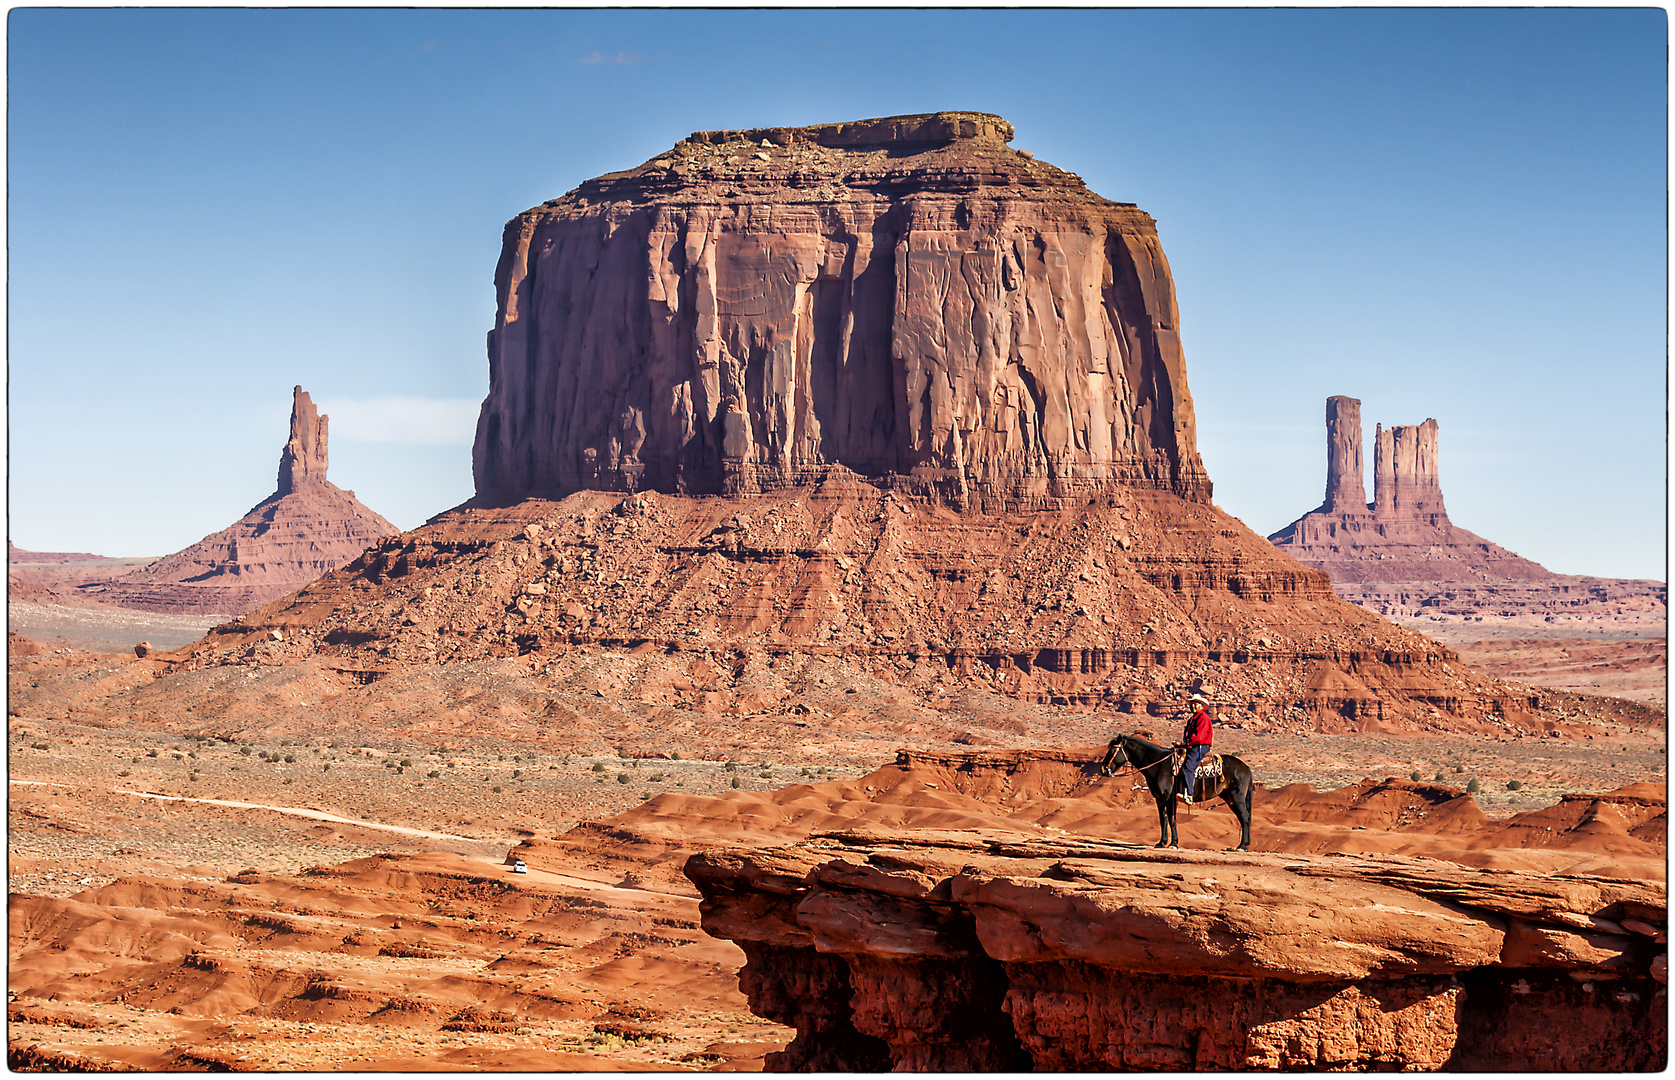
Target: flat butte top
(888,157)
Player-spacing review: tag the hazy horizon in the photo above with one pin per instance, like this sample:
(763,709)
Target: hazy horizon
(1448,213)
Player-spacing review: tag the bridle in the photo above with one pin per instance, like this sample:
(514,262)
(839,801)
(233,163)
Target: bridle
(1167,754)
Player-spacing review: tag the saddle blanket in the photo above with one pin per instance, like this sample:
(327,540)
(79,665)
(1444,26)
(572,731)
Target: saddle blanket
(1209,780)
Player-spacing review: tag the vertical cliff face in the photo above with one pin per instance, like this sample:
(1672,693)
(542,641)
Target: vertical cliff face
(304,457)
(1345,488)
(1405,473)
(907,298)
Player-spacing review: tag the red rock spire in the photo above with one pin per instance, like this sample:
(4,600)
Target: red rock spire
(1346,489)
(304,456)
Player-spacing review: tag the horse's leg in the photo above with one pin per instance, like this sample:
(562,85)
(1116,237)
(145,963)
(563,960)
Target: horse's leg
(1173,791)
(1238,798)
(1164,805)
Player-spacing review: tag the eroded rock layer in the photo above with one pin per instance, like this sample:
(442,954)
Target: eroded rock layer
(987,950)
(307,527)
(1127,603)
(909,298)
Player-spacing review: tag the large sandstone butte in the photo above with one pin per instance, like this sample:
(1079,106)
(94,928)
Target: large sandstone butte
(890,391)
(307,527)
(1400,555)
(908,298)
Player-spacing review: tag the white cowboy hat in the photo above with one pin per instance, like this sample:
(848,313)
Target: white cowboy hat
(1199,699)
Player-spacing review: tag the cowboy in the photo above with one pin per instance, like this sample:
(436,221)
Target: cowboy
(1196,739)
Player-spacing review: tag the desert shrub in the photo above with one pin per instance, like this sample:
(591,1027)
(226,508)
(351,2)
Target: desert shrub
(735,781)
(193,754)
(326,768)
(598,766)
(434,773)
(1415,776)
(287,780)
(497,789)
(644,795)
(149,753)
(406,763)
(399,770)
(290,758)
(1440,776)
(244,750)
(731,766)
(655,777)
(194,776)
(516,773)
(1514,785)
(125,772)
(43,746)
(1459,769)
(622,778)
(1474,787)
(675,756)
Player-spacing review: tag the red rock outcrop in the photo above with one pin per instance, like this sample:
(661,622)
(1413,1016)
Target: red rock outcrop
(307,527)
(1346,490)
(908,298)
(994,950)
(1404,534)
(1401,556)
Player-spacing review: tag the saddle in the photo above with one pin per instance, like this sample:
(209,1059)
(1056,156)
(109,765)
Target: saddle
(1208,781)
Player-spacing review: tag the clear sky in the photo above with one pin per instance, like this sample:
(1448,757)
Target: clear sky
(1456,214)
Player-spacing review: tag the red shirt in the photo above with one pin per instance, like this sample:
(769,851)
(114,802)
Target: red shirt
(1198,729)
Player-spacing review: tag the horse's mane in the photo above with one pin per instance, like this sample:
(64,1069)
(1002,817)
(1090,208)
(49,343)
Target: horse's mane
(1144,738)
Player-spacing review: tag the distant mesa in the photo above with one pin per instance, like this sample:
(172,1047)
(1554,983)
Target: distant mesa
(1400,555)
(1402,535)
(306,528)
(906,298)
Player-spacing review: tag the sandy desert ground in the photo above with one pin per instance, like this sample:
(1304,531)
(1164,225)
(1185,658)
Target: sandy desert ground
(292,885)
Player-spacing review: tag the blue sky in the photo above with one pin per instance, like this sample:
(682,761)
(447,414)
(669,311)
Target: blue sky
(1456,214)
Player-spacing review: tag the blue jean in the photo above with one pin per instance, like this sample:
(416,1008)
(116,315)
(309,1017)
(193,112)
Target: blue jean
(1190,769)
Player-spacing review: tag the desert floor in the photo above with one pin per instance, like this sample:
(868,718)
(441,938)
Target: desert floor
(320,894)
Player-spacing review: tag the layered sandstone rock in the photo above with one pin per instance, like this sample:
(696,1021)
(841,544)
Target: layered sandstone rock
(988,950)
(307,527)
(1401,556)
(1345,488)
(908,298)
(1128,604)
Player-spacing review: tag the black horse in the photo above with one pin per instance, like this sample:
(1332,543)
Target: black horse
(1153,761)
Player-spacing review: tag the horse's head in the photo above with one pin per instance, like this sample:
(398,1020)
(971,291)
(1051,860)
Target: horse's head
(1115,757)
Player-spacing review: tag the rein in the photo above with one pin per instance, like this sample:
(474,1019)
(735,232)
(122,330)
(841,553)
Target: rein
(1167,754)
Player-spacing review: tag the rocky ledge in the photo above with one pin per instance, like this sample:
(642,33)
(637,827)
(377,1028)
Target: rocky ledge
(987,950)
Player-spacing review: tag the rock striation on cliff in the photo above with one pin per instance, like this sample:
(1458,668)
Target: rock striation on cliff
(907,298)
(979,950)
(1401,556)
(307,527)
